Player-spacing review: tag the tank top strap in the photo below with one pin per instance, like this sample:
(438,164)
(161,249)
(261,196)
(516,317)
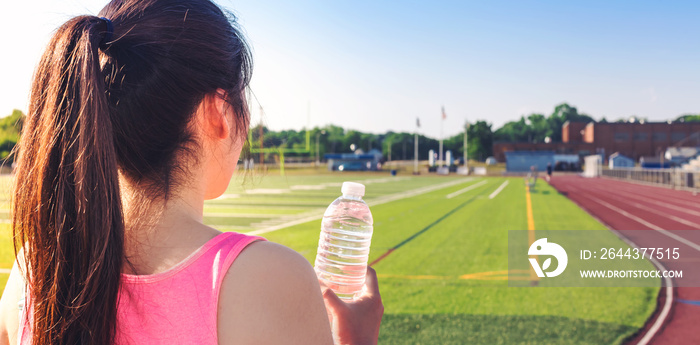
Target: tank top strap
(225,252)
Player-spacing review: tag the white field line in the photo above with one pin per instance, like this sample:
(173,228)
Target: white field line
(5,270)
(500,188)
(240,215)
(228,196)
(463,190)
(272,191)
(417,191)
(378,201)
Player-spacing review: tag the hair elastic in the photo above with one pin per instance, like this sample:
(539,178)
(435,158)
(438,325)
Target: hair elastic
(108,32)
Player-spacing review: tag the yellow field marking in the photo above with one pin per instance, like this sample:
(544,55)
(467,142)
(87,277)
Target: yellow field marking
(493,275)
(530,218)
(420,277)
(530,228)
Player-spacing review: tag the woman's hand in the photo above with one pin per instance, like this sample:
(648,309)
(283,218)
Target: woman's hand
(356,322)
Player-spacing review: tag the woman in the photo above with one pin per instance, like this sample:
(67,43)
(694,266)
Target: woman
(136,117)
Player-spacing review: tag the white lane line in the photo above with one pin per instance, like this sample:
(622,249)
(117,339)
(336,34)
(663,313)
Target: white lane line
(624,199)
(464,190)
(669,283)
(669,294)
(648,224)
(625,213)
(659,203)
(664,312)
(680,239)
(669,216)
(500,188)
(632,189)
(378,201)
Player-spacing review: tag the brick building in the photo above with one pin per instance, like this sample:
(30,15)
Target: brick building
(633,140)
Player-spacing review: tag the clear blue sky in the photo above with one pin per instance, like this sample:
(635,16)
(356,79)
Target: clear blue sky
(377,65)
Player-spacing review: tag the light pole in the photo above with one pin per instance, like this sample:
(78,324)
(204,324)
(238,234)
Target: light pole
(318,156)
(415,153)
(466,151)
(389,151)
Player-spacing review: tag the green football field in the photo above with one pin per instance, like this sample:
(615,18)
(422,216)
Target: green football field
(445,278)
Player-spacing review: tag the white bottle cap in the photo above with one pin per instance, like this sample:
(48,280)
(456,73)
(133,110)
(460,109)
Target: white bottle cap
(353,188)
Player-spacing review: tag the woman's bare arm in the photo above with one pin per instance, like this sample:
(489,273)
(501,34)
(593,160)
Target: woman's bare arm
(9,310)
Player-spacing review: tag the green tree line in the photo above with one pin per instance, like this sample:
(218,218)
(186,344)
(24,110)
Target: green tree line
(395,145)
(400,145)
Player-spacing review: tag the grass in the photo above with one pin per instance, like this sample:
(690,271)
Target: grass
(474,239)
(7,252)
(467,234)
(496,329)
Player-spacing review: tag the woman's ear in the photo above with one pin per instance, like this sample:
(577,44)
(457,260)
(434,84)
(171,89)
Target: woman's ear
(216,115)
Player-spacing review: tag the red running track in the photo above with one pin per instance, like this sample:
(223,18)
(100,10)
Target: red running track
(629,208)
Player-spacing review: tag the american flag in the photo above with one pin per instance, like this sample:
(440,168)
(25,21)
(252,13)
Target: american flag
(444,116)
(418,122)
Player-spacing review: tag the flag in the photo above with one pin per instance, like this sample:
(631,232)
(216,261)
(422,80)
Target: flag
(444,116)
(418,122)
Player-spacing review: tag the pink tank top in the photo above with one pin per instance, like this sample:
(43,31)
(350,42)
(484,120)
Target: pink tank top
(178,306)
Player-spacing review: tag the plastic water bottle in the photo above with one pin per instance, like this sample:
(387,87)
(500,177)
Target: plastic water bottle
(343,248)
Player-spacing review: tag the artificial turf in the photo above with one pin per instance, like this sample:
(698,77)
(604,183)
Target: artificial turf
(472,238)
(436,240)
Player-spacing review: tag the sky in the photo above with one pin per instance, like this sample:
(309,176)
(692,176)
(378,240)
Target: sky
(378,65)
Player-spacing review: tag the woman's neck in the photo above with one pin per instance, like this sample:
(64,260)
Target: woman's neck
(160,233)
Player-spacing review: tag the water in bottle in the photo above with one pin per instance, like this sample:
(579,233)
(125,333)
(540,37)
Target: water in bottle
(343,248)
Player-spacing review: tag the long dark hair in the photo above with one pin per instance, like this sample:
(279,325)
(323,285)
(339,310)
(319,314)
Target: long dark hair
(100,109)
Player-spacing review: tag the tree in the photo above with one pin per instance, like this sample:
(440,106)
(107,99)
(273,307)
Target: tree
(539,128)
(514,131)
(688,118)
(480,145)
(562,113)
(335,139)
(10,129)
(351,137)
(480,140)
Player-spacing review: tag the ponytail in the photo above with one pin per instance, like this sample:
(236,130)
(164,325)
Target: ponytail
(103,109)
(67,212)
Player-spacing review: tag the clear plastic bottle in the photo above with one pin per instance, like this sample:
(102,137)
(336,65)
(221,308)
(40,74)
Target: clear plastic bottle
(343,248)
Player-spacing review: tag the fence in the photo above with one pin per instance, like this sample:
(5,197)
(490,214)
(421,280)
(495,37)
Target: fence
(672,178)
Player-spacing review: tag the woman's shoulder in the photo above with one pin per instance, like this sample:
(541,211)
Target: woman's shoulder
(271,294)
(270,255)
(262,267)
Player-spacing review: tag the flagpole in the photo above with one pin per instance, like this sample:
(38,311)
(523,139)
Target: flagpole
(442,121)
(415,148)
